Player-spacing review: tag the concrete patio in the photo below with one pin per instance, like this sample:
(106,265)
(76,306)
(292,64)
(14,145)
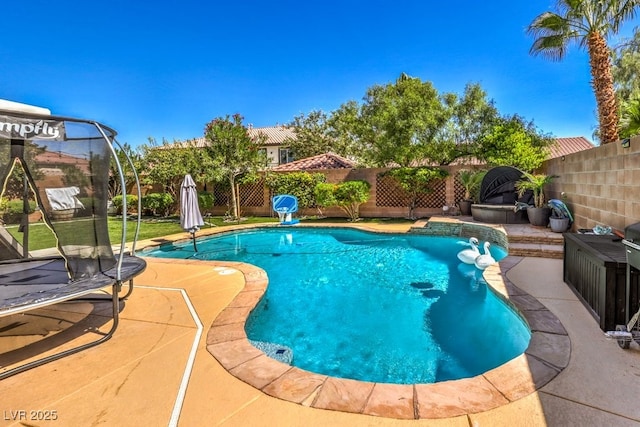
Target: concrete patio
(157,371)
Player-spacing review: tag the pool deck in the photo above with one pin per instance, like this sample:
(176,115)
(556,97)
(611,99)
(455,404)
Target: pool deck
(158,369)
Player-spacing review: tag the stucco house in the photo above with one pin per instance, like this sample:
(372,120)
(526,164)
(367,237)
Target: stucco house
(275,146)
(278,152)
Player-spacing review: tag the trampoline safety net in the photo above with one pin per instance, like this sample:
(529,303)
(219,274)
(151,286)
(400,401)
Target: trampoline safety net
(65,162)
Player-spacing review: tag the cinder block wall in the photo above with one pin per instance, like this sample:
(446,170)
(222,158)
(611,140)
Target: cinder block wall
(601,185)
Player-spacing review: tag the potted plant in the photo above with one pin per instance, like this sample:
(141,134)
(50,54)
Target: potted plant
(539,213)
(558,224)
(560,218)
(470,181)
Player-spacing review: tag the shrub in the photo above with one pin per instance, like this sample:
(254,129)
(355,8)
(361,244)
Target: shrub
(157,203)
(299,184)
(11,210)
(132,203)
(325,195)
(205,201)
(348,196)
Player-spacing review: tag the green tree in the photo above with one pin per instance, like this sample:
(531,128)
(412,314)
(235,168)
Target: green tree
(536,183)
(471,117)
(471,180)
(626,68)
(350,133)
(626,77)
(315,135)
(408,121)
(324,196)
(115,188)
(166,165)
(311,135)
(587,23)
(401,119)
(630,118)
(157,203)
(233,152)
(514,142)
(416,182)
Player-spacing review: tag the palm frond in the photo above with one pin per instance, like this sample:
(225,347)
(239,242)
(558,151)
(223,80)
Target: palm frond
(626,10)
(547,22)
(552,47)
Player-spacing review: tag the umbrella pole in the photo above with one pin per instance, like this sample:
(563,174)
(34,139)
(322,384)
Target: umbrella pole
(193,236)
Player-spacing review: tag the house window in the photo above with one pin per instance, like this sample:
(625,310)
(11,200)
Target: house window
(286,155)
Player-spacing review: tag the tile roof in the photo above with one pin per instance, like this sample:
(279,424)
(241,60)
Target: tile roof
(321,161)
(561,147)
(566,146)
(276,135)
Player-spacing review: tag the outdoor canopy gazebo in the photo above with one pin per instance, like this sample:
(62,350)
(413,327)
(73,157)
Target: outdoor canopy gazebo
(64,163)
(499,195)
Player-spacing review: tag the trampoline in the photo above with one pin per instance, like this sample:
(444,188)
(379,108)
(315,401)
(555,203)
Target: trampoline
(63,163)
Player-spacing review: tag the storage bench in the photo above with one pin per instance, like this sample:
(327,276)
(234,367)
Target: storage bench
(595,267)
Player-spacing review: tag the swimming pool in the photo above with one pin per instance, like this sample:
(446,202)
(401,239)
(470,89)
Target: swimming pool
(373,307)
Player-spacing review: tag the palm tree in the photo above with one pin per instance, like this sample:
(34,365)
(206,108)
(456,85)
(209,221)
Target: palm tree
(588,23)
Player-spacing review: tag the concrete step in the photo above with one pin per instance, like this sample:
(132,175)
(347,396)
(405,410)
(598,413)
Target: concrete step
(522,239)
(538,249)
(547,238)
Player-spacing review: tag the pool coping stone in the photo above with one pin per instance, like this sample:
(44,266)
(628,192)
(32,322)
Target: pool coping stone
(547,355)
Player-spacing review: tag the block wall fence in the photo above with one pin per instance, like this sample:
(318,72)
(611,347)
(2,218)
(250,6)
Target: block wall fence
(385,200)
(601,185)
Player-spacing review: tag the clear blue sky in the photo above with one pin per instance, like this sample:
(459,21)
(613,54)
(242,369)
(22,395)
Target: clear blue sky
(164,69)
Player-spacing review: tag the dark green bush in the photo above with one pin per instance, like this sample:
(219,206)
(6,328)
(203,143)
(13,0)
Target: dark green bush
(11,210)
(132,203)
(157,203)
(348,196)
(205,201)
(299,184)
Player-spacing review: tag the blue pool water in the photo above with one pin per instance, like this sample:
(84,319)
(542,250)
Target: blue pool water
(373,307)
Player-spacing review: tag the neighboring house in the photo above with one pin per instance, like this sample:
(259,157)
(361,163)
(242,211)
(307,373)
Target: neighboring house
(277,151)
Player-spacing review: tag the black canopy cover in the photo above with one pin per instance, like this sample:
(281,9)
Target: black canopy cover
(498,187)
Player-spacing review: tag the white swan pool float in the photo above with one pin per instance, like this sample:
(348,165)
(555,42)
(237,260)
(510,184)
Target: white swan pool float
(485,260)
(468,256)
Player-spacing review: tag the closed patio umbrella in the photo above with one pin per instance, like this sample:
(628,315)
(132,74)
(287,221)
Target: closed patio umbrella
(190,216)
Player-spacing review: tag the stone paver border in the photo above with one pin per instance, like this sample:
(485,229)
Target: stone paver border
(547,355)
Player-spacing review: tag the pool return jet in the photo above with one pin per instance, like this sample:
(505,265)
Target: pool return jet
(285,205)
